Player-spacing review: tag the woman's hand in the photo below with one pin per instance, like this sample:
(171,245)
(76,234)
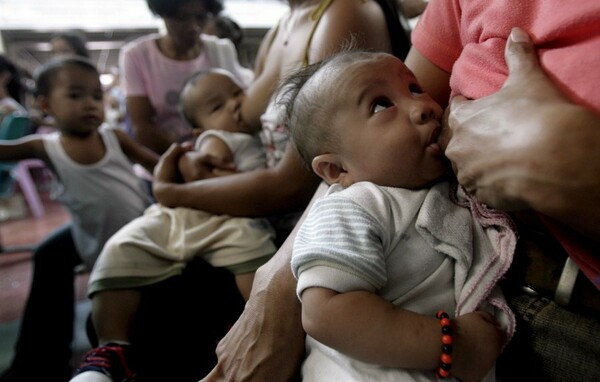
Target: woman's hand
(267,341)
(166,170)
(528,146)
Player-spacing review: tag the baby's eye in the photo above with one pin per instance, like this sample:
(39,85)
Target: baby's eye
(216,107)
(380,104)
(415,89)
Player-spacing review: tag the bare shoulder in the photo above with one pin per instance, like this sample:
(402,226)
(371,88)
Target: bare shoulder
(355,11)
(361,22)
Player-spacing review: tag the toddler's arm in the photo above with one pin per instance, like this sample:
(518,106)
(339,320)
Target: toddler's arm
(30,146)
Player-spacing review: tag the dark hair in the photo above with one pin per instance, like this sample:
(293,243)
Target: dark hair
(46,74)
(14,87)
(169,8)
(307,116)
(75,40)
(399,36)
(227,28)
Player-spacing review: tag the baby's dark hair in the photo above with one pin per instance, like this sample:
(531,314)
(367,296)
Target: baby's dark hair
(76,41)
(45,75)
(307,116)
(227,28)
(14,86)
(191,81)
(169,8)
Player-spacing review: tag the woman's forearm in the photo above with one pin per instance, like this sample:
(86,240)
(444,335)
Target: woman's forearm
(287,187)
(258,193)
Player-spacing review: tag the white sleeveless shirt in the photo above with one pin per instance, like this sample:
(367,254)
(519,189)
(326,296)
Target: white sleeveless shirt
(101,197)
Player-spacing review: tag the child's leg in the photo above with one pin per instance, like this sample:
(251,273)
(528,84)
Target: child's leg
(112,313)
(244,284)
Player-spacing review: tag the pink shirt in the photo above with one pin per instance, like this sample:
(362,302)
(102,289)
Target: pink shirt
(147,72)
(466,37)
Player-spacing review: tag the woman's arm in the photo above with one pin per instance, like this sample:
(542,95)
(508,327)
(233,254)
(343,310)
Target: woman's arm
(267,341)
(361,23)
(140,112)
(136,152)
(528,146)
(433,80)
(285,188)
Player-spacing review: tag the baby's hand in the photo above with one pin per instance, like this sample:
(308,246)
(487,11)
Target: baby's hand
(478,341)
(188,165)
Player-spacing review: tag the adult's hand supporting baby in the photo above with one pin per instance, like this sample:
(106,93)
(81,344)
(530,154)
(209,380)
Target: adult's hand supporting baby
(167,171)
(528,146)
(267,342)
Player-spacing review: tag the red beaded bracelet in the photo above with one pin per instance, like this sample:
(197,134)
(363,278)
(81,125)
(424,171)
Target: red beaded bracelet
(443,371)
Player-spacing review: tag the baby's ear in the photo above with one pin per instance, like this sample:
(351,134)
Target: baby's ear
(329,168)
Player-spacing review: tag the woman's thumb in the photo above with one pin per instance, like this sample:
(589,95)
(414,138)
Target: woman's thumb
(520,54)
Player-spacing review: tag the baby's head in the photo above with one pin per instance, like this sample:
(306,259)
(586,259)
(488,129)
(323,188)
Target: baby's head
(212,100)
(67,43)
(68,88)
(362,116)
(10,78)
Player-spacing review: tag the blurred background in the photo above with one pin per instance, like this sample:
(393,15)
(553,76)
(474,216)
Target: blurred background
(26,26)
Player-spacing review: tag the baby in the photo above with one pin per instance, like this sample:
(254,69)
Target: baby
(387,241)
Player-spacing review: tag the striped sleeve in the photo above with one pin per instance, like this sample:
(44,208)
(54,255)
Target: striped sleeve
(339,247)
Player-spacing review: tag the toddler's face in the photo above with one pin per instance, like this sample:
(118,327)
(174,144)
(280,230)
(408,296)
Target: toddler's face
(387,127)
(215,102)
(76,100)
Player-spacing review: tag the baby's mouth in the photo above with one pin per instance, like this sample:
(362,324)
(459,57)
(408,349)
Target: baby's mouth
(435,134)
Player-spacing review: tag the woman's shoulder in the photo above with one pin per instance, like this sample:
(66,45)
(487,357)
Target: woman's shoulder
(364,20)
(354,10)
